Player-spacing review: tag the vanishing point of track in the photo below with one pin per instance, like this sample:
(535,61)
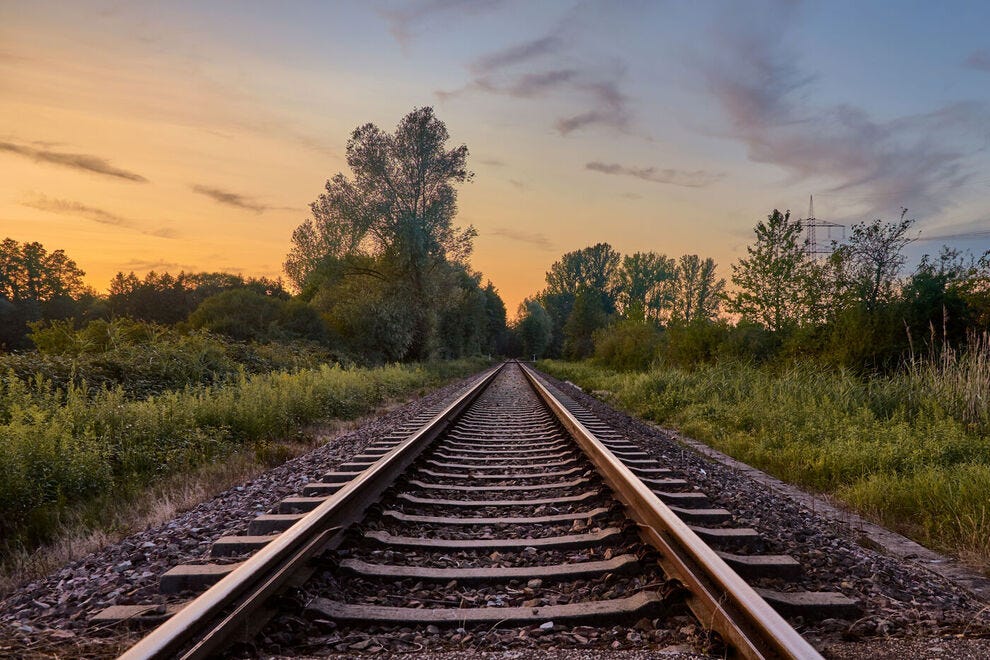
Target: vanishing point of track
(509,489)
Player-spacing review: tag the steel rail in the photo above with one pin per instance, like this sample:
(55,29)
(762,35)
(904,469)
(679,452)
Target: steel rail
(201,627)
(719,597)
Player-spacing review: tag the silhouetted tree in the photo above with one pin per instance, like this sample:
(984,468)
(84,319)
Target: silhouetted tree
(35,285)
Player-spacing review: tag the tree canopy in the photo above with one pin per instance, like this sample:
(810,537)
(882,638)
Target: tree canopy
(380,256)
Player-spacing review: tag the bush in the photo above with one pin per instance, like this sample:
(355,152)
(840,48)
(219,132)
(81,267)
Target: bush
(628,345)
(911,449)
(61,447)
(145,359)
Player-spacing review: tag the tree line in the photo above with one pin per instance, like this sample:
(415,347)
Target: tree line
(854,307)
(379,269)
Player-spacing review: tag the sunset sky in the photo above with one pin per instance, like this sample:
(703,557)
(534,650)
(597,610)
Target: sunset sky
(193,135)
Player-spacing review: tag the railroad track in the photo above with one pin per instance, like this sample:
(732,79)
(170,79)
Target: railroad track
(513,505)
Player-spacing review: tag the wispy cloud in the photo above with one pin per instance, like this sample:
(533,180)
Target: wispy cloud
(525,86)
(609,107)
(915,161)
(688,179)
(558,63)
(535,239)
(492,162)
(979,59)
(403,22)
(519,185)
(104,217)
(85,162)
(230,198)
(517,54)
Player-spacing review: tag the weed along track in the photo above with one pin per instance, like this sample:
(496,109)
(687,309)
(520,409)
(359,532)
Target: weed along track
(509,517)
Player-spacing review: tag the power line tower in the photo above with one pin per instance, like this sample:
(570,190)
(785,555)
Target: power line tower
(811,224)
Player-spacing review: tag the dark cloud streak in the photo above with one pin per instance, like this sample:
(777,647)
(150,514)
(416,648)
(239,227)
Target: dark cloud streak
(696,179)
(512,55)
(229,198)
(83,162)
(68,207)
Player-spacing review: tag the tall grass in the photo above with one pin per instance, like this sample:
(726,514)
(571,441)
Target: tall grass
(911,449)
(60,446)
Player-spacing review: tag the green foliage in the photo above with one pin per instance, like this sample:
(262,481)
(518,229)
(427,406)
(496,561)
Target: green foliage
(773,281)
(381,258)
(587,317)
(648,284)
(36,284)
(628,345)
(533,329)
(697,291)
(62,446)
(912,449)
(144,358)
(168,299)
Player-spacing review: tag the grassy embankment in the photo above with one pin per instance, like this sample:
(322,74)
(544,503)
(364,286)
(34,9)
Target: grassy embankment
(75,459)
(911,450)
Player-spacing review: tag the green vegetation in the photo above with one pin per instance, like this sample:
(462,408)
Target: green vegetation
(911,449)
(62,447)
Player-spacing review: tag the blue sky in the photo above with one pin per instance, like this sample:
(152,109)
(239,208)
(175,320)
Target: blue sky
(661,126)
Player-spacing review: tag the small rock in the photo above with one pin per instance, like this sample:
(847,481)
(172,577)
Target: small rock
(432,629)
(546,626)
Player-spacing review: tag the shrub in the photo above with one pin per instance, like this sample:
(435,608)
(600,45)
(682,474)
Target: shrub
(628,345)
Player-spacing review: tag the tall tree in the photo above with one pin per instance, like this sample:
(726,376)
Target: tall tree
(588,315)
(533,328)
(594,268)
(773,280)
(648,286)
(698,291)
(36,284)
(392,221)
(29,272)
(871,259)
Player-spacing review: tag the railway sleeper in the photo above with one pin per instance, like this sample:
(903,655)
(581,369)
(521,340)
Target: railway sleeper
(581,497)
(488,452)
(812,604)
(268,523)
(228,546)
(193,577)
(537,457)
(621,564)
(619,608)
(762,566)
(569,541)
(561,485)
(684,500)
(314,488)
(527,520)
(500,466)
(701,516)
(503,476)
